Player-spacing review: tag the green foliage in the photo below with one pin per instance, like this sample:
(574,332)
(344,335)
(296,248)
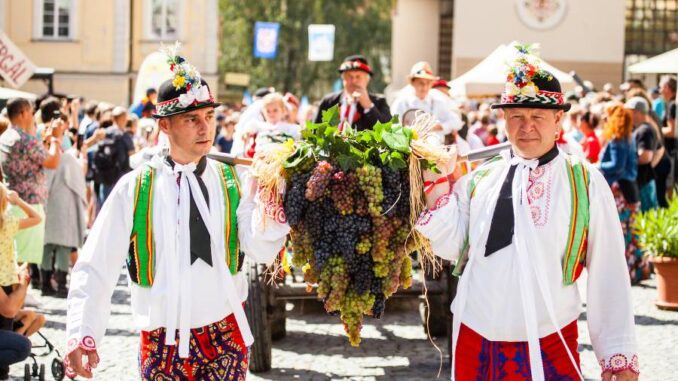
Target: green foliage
(657,230)
(387,144)
(362,27)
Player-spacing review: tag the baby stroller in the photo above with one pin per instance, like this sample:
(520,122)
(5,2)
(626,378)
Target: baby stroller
(34,370)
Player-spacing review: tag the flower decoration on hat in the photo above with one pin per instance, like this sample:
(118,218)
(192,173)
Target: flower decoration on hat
(528,84)
(186,77)
(185,90)
(523,69)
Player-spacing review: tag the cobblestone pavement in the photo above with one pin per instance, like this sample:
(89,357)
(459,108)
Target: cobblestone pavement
(393,348)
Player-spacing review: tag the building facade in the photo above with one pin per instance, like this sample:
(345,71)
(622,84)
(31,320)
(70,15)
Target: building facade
(595,39)
(97,47)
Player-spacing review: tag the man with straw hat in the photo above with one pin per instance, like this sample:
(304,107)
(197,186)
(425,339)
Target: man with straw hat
(418,96)
(357,107)
(522,227)
(180,222)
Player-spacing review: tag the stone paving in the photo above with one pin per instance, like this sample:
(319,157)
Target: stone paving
(393,348)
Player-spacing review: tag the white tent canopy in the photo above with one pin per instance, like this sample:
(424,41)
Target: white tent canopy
(7,93)
(489,76)
(662,64)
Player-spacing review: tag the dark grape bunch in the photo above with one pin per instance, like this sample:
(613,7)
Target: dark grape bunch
(349,233)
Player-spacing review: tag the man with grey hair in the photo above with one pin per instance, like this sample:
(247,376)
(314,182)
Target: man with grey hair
(648,146)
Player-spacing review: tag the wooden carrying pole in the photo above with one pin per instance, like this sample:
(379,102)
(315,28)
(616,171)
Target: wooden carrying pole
(475,155)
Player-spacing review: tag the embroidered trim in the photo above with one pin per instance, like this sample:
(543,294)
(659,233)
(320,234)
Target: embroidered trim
(87,344)
(542,97)
(427,214)
(424,218)
(538,187)
(618,363)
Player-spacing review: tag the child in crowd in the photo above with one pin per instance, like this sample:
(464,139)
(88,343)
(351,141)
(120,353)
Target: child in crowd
(14,347)
(275,129)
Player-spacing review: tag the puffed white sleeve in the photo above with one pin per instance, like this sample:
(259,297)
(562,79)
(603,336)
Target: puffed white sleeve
(446,225)
(96,272)
(262,227)
(609,310)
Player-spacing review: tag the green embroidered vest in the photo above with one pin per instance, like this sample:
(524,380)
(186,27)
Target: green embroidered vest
(574,260)
(141,255)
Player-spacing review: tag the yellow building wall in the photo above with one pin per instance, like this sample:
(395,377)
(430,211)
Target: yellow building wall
(86,64)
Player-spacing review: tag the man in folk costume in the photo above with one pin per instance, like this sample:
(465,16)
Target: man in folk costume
(357,107)
(523,226)
(418,96)
(180,222)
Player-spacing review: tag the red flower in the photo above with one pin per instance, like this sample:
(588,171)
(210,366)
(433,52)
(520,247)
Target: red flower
(172,67)
(188,86)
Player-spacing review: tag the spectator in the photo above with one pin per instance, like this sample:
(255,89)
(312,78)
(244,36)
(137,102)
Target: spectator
(150,98)
(90,117)
(65,222)
(111,158)
(492,138)
(357,106)
(275,129)
(23,159)
(667,86)
(292,105)
(647,145)
(13,281)
(619,164)
(658,103)
(588,121)
(420,97)
(224,141)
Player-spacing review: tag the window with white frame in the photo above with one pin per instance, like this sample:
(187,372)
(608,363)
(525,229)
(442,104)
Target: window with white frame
(164,19)
(56,18)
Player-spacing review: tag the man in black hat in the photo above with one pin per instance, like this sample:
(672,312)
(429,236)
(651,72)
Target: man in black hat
(522,227)
(181,223)
(357,106)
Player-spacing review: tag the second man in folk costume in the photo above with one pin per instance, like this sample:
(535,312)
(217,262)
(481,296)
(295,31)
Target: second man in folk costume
(180,223)
(525,225)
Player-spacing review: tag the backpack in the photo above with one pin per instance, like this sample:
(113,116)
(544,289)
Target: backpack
(106,163)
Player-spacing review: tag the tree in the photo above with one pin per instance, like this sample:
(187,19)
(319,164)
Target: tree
(362,27)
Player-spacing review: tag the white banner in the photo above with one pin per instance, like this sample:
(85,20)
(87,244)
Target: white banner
(320,42)
(15,67)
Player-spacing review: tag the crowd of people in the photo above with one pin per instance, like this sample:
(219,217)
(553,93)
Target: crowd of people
(62,157)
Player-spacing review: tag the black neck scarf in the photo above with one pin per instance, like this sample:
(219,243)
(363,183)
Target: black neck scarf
(200,237)
(503,221)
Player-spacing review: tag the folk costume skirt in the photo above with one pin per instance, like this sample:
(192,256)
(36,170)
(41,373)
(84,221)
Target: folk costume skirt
(217,352)
(478,359)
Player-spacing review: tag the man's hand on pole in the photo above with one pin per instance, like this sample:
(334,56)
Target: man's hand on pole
(440,184)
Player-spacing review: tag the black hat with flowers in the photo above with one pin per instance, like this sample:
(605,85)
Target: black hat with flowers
(528,85)
(185,91)
(355,62)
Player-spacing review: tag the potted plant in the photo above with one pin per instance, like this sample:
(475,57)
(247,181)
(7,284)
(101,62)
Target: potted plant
(657,232)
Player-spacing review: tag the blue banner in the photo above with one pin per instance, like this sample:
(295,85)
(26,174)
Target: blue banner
(266,39)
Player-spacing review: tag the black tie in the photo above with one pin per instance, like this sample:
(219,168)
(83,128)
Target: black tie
(503,222)
(200,237)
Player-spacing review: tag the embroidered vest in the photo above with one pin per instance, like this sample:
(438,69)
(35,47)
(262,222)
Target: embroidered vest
(574,260)
(141,255)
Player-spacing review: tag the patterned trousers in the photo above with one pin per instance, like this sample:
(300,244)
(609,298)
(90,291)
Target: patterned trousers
(217,352)
(478,359)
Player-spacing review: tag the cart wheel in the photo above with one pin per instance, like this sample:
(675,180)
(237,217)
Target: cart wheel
(278,320)
(257,315)
(41,373)
(27,372)
(58,370)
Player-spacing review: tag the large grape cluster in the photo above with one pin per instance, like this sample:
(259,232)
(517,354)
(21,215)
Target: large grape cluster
(349,235)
